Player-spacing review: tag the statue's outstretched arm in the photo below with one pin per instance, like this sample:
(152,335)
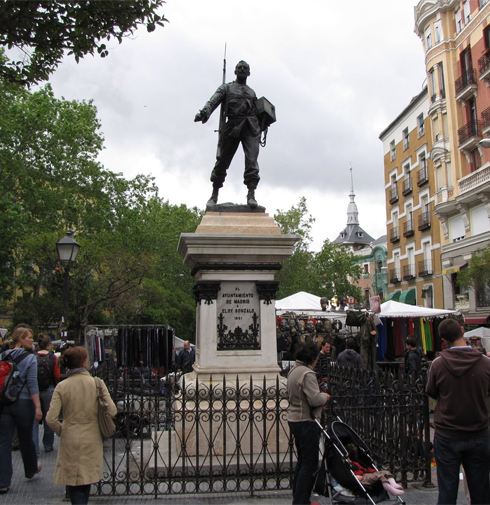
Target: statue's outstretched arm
(204,114)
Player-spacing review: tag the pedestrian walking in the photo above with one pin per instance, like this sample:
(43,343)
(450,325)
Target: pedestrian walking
(22,413)
(48,375)
(460,382)
(80,456)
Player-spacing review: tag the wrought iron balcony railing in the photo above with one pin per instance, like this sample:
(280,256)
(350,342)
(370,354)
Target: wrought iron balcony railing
(424,268)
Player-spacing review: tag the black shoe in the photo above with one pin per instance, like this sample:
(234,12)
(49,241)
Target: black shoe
(251,201)
(214,198)
(48,449)
(4,490)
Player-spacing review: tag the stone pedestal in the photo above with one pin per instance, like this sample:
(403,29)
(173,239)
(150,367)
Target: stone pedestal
(234,256)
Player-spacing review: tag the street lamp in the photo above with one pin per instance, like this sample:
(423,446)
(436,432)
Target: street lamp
(67,252)
(485,142)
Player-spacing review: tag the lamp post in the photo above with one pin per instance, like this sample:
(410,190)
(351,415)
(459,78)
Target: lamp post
(67,252)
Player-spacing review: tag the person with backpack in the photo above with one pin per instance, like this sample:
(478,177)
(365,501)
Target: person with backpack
(18,410)
(414,356)
(48,375)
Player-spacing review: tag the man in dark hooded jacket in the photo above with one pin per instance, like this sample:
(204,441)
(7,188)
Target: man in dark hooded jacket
(349,358)
(413,356)
(460,382)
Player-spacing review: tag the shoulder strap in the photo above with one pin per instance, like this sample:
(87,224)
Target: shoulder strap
(18,359)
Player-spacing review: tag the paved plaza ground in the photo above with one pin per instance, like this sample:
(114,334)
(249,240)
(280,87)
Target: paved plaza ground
(41,490)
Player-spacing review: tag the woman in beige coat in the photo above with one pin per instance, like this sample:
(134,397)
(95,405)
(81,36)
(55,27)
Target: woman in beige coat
(80,457)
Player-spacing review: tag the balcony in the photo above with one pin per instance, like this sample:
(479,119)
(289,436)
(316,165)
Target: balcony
(394,234)
(408,228)
(408,272)
(395,275)
(422,175)
(407,186)
(484,67)
(469,135)
(466,86)
(475,179)
(485,121)
(424,221)
(424,268)
(394,194)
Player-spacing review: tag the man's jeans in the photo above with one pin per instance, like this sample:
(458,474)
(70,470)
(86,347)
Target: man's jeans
(307,440)
(474,455)
(20,414)
(48,437)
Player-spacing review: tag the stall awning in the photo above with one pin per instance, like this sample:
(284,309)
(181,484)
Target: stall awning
(394,296)
(476,319)
(408,297)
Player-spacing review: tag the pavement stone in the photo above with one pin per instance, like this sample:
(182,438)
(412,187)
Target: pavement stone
(41,490)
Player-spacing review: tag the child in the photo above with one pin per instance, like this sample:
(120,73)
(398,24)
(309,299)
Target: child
(368,476)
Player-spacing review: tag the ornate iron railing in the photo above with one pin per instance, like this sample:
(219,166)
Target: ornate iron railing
(222,437)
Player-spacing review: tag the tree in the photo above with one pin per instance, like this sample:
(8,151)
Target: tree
(44,30)
(335,266)
(477,274)
(325,273)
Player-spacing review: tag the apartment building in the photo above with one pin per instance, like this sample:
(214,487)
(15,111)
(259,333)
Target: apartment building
(456,39)
(413,241)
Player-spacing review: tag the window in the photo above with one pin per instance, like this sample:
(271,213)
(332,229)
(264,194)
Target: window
(393,150)
(481,3)
(438,32)
(432,85)
(420,125)
(366,268)
(486,37)
(406,142)
(458,20)
(441,80)
(428,38)
(411,259)
(466,11)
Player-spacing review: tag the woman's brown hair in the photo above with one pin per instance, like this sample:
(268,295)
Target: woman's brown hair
(75,357)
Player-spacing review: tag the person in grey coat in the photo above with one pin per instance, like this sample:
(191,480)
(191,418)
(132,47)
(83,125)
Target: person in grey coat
(349,358)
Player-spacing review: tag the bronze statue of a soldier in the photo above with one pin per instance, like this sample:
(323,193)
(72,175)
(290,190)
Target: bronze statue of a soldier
(239,106)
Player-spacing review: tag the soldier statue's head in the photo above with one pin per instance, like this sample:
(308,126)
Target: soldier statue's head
(242,69)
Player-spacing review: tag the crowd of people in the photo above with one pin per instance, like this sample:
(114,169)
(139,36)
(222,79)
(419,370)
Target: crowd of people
(459,381)
(67,408)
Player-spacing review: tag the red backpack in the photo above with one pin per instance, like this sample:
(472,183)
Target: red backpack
(10,378)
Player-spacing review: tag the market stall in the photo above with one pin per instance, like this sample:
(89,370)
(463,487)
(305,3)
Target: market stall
(399,320)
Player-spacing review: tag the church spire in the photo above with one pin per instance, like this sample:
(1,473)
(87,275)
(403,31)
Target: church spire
(352,212)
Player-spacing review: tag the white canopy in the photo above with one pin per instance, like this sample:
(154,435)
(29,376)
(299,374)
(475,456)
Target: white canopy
(306,303)
(397,309)
(479,332)
(299,302)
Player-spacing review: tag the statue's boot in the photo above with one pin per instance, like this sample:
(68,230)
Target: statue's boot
(251,198)
(214,198)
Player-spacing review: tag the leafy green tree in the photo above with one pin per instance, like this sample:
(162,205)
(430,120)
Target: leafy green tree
(52,181)
(45,30)
(335,266)
(477,274)
(325,273)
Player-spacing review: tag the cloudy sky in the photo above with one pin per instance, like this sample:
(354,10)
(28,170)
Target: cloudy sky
(337,72)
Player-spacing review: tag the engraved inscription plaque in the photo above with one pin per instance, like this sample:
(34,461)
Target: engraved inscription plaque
(238,308)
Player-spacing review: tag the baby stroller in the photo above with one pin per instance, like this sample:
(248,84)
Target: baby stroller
(335,477)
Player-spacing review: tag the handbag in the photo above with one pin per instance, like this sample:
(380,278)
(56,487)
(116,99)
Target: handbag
(106,423)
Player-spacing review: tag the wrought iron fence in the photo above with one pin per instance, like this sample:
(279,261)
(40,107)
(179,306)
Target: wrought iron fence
(222,437)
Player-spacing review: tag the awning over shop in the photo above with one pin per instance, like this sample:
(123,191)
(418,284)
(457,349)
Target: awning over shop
(394,296)
(408,296)
(476,319)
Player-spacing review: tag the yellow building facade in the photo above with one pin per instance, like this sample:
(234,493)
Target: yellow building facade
(413,239)
(456,38)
